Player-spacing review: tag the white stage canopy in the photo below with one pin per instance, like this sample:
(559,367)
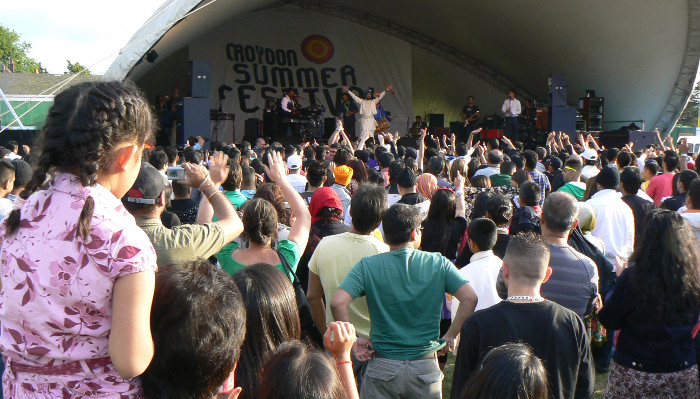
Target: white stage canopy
(642,56)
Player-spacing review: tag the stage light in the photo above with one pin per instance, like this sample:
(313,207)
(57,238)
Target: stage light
(151,56)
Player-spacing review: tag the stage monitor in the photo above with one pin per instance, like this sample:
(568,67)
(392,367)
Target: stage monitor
(436,120)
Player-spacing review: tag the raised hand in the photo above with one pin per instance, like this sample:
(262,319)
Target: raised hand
(197,174)
(218,168)
(276,169)
(339,339)
(459,181)
(346,88)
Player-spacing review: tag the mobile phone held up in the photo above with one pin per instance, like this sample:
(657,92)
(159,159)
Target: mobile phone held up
(176,173)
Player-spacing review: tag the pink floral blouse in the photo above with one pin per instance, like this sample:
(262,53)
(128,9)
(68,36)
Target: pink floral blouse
(56,295)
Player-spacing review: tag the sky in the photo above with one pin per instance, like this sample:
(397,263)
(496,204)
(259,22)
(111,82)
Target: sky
(83,31)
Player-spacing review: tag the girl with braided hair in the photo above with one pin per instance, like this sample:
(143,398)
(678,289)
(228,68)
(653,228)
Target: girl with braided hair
(77,273)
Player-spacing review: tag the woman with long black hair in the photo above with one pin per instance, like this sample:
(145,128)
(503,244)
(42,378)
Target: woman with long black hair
(446,221)
(655,305)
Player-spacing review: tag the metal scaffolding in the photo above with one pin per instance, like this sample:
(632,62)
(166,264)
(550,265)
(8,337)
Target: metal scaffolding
(686,75)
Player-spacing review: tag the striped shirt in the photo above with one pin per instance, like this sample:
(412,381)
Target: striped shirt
(574,280)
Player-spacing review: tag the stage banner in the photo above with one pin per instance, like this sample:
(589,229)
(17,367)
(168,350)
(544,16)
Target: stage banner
(257,56)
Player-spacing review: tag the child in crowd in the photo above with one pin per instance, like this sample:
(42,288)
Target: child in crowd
(482,270)
(296,371)
(77,272)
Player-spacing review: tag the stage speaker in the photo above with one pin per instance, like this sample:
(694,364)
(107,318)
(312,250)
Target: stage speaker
(642,138)
(270,123)
(436,120)
(252,127)
(614,138)
(494,121)
(198,78)
(556,83)
(564,119)
(193,120)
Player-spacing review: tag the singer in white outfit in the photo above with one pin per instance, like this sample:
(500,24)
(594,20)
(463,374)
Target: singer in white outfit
(368,108)
(512,109)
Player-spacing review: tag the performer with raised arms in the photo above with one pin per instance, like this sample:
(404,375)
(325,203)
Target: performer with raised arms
(368,108)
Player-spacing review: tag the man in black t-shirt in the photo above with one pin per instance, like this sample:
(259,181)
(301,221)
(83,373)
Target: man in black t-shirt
(346,110)
(556,334)
(471,115)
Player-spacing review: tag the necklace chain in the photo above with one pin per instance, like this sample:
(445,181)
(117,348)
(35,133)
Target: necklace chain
(524,298)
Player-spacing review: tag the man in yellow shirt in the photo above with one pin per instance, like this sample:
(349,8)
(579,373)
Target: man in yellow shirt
(336,255)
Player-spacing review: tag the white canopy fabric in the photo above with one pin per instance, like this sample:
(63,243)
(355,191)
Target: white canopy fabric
(642,56)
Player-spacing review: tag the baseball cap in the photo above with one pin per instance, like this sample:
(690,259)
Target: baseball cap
(147,187)
(590,154)
(294,162)
(555,163)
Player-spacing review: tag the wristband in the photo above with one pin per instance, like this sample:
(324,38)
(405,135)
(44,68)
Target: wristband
(212,194)
(338,363)
(459,193)
(206,179)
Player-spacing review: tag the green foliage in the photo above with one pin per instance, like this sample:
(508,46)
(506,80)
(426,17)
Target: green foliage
(689,116)
(74,68)
(11,47)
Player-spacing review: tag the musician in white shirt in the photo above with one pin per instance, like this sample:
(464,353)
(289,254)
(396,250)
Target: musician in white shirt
(287,106)
(288,101)
(512,109)
(368,108)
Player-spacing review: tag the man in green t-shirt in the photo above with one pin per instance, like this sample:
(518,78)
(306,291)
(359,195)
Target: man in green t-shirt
(232,186)
(405,289)
(504,177)
(572,178)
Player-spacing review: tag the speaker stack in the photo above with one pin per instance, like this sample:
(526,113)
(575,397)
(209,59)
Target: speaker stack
(193,114)
(562,117)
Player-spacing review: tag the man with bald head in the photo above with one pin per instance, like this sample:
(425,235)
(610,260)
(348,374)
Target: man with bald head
(555,334)
(494,158)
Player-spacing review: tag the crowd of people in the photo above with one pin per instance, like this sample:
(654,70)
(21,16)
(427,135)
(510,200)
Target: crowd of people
(343,269)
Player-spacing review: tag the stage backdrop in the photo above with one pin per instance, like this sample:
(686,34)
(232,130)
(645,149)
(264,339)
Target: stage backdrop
(262,53)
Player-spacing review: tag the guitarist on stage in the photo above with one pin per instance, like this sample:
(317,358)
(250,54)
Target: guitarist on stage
(471,115)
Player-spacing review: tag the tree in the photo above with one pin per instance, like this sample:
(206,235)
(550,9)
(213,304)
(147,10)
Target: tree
(689,116)
(74,68)
(12,48)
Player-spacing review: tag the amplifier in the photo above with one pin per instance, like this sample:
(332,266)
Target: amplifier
(442,131)
(492,134)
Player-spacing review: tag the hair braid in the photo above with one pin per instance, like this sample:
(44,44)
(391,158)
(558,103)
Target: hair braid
(83,126)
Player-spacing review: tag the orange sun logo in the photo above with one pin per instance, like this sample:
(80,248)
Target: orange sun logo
(317,49)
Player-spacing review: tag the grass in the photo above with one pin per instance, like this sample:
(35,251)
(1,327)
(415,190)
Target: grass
(600,380)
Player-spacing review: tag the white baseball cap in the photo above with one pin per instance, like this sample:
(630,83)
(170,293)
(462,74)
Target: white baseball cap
(294,162)
(590,154)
